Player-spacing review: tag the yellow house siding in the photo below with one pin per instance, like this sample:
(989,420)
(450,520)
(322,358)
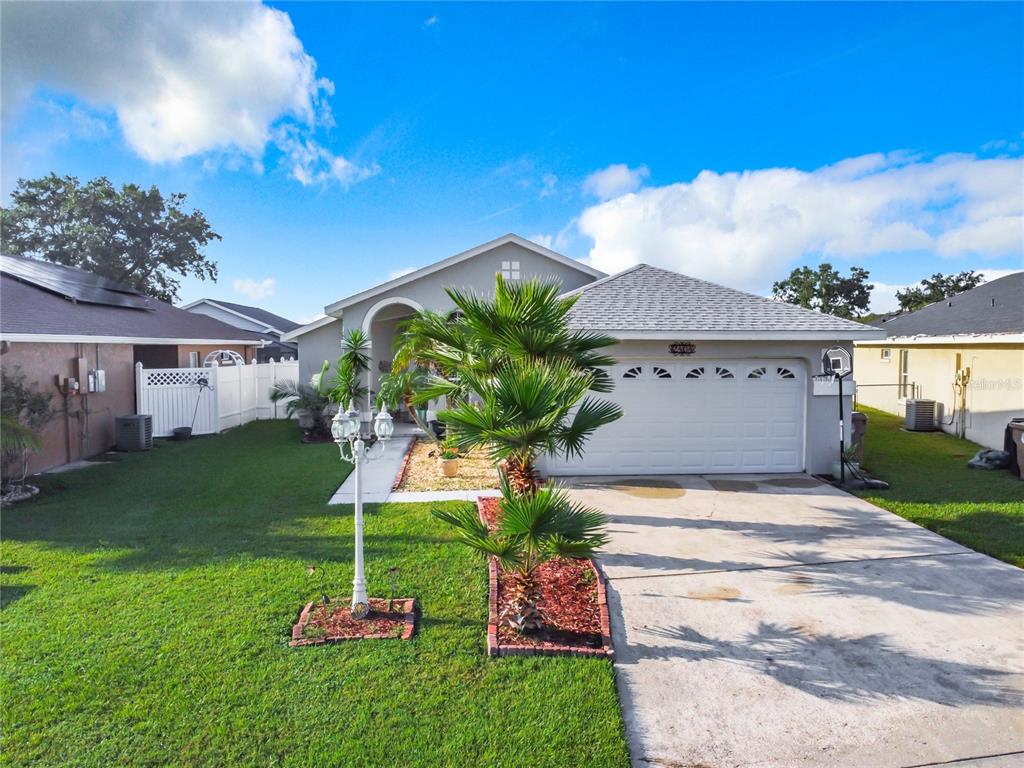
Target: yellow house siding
(995,393)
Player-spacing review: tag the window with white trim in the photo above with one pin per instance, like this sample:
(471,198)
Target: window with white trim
(886,354)
(193,359)
(510,270)
(906,390)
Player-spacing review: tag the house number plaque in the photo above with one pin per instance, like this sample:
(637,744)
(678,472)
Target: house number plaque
(682,348)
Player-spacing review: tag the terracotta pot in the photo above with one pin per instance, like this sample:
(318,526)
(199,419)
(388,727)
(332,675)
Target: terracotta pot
(449,467)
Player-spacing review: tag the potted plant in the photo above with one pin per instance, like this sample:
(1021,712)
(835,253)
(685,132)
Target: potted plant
(448,457)
(309,403)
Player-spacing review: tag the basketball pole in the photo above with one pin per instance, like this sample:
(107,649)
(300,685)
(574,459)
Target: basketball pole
(842,436)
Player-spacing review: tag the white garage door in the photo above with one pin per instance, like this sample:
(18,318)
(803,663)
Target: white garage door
(700,416)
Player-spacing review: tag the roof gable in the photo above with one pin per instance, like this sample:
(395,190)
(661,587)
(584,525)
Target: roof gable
(255,314)
(457,258)
(993,307)
(649,302)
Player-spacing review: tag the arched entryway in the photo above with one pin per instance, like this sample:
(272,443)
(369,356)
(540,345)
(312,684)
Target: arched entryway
(380,325)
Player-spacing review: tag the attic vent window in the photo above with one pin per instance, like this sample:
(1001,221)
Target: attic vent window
(510,270)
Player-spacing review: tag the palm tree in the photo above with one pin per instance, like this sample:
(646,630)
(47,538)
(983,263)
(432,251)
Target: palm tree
(525,409)
(309,402)
(513,373)
(348,385)
(524,320)
(531,529)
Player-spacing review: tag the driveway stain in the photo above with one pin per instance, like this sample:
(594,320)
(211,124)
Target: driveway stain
(731,486)
(792,482)
(649,488)
(715,593)
(798,584)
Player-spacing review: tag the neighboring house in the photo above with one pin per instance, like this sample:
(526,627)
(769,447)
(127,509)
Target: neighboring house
(710,379)
(268,325)
(60,323)
(980,331)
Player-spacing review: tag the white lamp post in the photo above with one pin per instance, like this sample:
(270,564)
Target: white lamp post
(345,429)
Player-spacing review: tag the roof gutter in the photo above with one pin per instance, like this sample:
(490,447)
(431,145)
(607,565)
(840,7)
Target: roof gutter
(963,338)
(850,335)
(63,338)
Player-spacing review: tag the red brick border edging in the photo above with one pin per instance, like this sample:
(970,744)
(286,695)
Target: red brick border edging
(408,607)
(495,648)
(404,465)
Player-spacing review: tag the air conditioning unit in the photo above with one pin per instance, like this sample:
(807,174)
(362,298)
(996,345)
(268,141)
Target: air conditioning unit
(134,433)
(920,416)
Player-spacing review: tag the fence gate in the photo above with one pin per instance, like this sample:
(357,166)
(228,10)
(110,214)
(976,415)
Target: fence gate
(236,395)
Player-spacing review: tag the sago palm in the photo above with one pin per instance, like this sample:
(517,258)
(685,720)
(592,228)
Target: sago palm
(531,529)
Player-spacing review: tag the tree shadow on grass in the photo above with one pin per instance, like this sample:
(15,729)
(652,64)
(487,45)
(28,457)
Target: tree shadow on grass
(12,593)
(857,669)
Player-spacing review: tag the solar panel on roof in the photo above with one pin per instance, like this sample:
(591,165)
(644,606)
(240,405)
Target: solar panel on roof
(74,284)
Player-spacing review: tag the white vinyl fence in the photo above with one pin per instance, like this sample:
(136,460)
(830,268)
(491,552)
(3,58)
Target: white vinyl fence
(232,395)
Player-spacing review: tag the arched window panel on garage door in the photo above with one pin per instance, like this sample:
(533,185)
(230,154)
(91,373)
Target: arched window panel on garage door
(723,373)
(634,373)
(661,373)
(695,373)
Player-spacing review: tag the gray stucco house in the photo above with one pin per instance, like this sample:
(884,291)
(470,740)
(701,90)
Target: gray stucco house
(710,379)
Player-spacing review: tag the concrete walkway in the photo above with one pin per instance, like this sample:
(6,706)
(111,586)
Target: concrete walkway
(779,622)
(379,477)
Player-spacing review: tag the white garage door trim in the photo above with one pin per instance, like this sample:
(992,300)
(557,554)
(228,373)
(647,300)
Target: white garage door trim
(712,416)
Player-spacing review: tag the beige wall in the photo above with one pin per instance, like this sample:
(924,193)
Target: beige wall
(995,393)
(84,424)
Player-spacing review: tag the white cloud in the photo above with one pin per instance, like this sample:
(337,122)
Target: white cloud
(311,163)
(430,21)
(548,182)
(183,79)
(746,229)
(615,180)
(255,289)
(548,241)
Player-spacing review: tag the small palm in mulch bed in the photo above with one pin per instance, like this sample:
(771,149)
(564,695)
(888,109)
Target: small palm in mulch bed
(568,599)
(333,622)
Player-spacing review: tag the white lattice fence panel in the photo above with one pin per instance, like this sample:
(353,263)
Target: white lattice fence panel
(174,398)
(240,394)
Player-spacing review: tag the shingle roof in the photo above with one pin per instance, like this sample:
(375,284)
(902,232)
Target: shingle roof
(282,324)
(994,307)
(648,299)
(28,309)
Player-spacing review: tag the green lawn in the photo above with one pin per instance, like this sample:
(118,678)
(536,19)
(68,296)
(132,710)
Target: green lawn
(147,606)
(932,486)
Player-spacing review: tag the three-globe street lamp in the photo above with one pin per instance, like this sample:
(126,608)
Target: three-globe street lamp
(345,428)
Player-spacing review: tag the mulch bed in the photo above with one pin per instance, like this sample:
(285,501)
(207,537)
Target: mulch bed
(319,623)
(420,471)
(573,599)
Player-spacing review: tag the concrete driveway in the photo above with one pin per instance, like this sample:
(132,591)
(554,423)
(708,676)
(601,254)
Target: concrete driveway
(775,621)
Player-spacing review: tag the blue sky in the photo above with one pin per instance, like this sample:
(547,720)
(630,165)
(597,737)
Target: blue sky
(729,141)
